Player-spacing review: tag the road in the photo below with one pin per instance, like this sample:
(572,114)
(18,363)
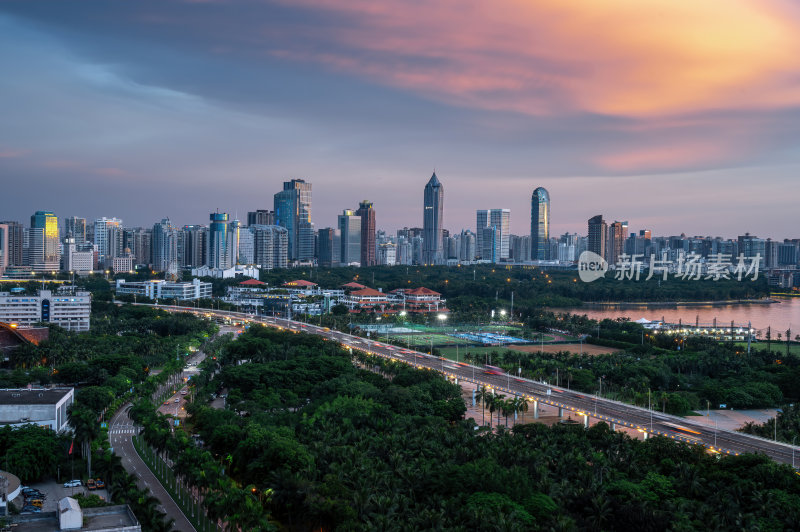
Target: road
(646,421)
(120,433)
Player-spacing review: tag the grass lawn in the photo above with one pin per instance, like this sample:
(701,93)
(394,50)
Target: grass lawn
(450,352)
(779,348)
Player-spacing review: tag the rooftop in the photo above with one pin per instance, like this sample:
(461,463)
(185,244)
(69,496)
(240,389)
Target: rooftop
(107,518)
(300,282)
(33,396)
(251,282)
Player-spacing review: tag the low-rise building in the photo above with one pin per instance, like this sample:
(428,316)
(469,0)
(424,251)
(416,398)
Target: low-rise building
(70,516)
(46,407)
(240,270)
(159,289)
(71,311)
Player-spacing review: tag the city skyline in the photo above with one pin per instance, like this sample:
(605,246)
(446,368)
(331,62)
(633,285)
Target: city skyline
(218,106)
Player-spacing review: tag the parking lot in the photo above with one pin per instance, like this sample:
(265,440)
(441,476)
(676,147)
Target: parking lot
(55,491)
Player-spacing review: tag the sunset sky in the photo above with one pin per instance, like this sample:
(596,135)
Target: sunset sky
(676,115)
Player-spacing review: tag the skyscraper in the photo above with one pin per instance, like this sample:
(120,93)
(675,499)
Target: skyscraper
(16,237)
(218,247)
(540,224)
(3,248)
(43,245)
(493,245)
(261,217)
(293,211)
(432,222)
(367,214)
(165,246)
(350,230)
(108,239)
(330,247)
(76,228)
(597,235)
(615,243)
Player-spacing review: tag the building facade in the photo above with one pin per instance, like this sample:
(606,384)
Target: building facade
(43,244)
(70,311)
(292,208)
(597,235)
(367,214)
(159,289)
(350,231)
(433,222)
(540,224)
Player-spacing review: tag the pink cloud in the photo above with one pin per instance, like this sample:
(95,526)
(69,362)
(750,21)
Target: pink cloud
(12,154)
(620,57)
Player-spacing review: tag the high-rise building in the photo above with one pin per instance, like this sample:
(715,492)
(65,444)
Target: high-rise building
(367,214)
(192,240)
(16,237)
(136,241)
(497,248)
(597,235)
(108,239)
(75,228)
(234,231)
(540,224)
(43,245)
(432,222)
(615,242)
(387,254)
(751,245)
(293,211)
(261,217)
(270,246)
(350,230)
(218,246)
(330,247)
(165,246)
(467,246)
(3,248)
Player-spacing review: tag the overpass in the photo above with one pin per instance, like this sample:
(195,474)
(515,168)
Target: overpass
(585,406)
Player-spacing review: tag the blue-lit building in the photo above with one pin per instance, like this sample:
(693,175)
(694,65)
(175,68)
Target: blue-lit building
(540,224)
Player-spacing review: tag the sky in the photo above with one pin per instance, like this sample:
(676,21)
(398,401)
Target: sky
(676,115)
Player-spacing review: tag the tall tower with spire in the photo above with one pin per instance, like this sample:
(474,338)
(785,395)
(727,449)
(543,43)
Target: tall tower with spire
(432,233)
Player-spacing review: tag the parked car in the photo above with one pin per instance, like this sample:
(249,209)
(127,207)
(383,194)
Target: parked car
(29,509)
(99,484)
(73,483)
(90,484)
(29,492)
(34,502)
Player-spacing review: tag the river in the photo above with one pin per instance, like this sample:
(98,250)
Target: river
(781,315)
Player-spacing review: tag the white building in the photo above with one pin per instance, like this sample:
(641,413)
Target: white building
(125,264)
(387,254)
(70,311)
(107,239)
(46,407)
(73,260)
(158,289)
(240,270)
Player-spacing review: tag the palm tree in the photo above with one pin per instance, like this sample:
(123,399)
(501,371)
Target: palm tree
(85,428)
(483,395)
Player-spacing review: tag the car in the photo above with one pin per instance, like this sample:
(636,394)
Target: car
(184,392)
(73,483)
(30,509)
(99,484)
(31,492)
(34,502)
(90,484)
(166,402)
(177,400)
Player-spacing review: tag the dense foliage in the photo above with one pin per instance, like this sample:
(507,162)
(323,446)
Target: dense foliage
(310,440)
(474,290)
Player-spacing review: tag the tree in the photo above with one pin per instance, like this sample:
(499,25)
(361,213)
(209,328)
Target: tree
(85,428)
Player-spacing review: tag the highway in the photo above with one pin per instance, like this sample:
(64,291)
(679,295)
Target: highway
(646,421)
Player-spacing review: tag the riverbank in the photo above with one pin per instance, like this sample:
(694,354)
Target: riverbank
(672,304)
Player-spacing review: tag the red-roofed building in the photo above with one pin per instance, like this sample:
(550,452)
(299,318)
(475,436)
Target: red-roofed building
(421,300)
(367,299)
(300,283)
(12,336)
(353,286)
(252,282)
